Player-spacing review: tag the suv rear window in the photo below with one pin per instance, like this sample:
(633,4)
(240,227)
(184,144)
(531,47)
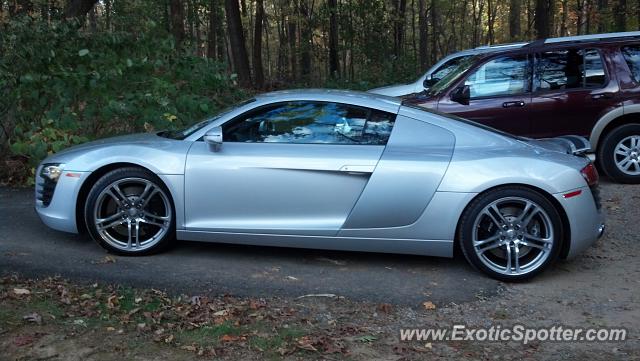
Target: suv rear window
(569,69)
(632,57)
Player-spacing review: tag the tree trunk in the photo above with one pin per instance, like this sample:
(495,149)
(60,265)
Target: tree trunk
(514,19)
(542,24)
(78,8)
(177,21)
(93,21)
(424,35)
(258,70)
(212,40)
(305,41)
(620,18)
(236,40)
(434,33)
(293,50)
(603,6)
(563,20)
(399,14)
(333,39)
(491,17)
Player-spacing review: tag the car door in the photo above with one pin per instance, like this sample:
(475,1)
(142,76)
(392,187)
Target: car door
(287,168)
(572,91)
(499,94)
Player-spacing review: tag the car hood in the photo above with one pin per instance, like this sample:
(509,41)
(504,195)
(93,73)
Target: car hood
(143,139)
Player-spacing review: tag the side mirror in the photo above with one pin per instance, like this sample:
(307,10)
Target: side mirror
(429,82)
(461,95)
(214,138)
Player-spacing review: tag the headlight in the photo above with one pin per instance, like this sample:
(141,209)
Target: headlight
(52,171)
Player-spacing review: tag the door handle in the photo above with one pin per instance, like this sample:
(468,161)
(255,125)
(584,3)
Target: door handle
(516,104)
(602,96)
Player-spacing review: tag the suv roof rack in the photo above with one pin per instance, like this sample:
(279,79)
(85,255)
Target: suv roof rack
(590,37)
(505,45)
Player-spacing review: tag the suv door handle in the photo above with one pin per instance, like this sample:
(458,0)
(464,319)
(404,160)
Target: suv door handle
(516,104)
(602,96)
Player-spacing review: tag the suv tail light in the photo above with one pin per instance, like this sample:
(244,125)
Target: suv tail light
(590,174)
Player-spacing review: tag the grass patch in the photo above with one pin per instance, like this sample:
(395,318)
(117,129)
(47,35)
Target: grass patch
(272,343)
(208,335)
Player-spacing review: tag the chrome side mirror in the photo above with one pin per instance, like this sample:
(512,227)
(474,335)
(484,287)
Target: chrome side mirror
(213,138)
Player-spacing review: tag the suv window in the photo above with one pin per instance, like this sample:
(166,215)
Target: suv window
(631,55)
(506,75)
(311,122)
(448,67)
(569,69)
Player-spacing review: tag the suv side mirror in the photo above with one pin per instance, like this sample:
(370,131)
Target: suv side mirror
(461,95)
(429,82)
(214,138)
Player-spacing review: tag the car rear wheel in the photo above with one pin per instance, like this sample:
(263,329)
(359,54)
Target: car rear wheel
(619,154)
(129,212)
(511,233)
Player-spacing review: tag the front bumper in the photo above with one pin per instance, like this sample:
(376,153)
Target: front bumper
(60,213)
(586,219)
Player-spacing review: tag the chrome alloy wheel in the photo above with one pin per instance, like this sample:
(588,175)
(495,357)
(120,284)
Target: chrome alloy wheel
(627,155)
(132,214)
(513,236)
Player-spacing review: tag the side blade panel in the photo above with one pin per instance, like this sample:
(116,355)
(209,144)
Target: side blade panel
(406,178)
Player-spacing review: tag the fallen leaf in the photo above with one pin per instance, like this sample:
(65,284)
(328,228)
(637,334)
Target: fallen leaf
(229,338)
(21,291)
(291,278)
(429,305)
(189,348)
(221,313)
(384,307)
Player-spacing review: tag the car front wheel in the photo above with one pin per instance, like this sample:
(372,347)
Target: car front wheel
(511,233)
(619,154)
(129,212)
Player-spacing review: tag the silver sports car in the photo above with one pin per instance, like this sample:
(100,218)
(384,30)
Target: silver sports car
(332,170)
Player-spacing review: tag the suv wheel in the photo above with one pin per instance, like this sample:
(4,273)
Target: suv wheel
(619,154)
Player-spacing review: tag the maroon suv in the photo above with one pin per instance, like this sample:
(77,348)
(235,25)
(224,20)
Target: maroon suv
(586,85)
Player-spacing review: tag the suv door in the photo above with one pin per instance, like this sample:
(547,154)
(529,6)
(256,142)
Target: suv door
(286,168)
(499,92)
(571,91)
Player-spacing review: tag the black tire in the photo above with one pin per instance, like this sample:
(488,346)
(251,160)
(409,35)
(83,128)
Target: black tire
(607,157)
(515,195)
(129,178)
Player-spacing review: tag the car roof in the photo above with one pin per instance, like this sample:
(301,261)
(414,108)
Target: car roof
(333,95)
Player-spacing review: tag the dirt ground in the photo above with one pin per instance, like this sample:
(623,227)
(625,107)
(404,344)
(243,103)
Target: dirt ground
(55,319)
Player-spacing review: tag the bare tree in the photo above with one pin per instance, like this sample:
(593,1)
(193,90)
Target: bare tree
(236,40)
(514,19)
(542,19)
(620,17)
(258,71)
(424,34)
(333,38)
(177,21)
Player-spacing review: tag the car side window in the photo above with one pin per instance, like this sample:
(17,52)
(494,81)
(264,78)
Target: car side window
(631,55)
(506,75)
(306,122)
(569,69)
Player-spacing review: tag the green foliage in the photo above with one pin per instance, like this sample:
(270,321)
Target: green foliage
(60,86)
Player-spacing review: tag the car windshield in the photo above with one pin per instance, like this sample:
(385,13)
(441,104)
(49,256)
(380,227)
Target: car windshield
(184,133)
(452,76)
